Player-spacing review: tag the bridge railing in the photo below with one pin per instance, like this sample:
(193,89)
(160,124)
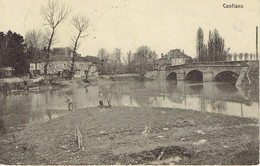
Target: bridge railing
(223,62)
(217,63)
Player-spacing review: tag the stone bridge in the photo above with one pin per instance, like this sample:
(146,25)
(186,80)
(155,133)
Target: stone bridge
(206,71)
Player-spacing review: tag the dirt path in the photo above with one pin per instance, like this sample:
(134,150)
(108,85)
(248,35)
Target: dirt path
(124,135)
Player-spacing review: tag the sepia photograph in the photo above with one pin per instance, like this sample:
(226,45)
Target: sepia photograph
(129,82)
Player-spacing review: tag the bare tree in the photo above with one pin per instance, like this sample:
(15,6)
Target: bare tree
(129,57)
(246,55)
(240,56)
(81,23)
(103,56)
(35,42)
(35,38)
(143,60)
(53,14)
(235,56)
(251,56)
(118,55)
(129,54)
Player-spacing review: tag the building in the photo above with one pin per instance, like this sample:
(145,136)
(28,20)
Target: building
(163,62)
(173,58)
(177,57)
(61,63)
(6,72)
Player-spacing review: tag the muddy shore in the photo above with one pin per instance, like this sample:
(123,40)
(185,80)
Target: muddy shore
(134,135)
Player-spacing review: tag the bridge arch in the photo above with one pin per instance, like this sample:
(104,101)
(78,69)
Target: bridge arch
(172,76)
(226,76)
(194,75)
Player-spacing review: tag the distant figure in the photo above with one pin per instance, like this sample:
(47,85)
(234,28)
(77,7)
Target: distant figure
(109,97)
(25,85)
(17,85)
(100,98)
(69,101)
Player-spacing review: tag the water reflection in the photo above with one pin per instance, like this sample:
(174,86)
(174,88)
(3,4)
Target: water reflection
(221,98)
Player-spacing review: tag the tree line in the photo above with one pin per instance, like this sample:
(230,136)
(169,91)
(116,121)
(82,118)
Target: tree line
(17,51)
(212,50)
(140,61)
(36,47)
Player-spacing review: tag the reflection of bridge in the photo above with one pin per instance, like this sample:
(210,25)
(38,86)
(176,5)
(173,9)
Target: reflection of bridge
(207,70)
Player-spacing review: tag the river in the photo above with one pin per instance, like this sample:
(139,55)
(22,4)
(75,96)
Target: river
(21,109)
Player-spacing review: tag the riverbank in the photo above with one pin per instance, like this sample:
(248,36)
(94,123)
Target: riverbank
(124,77)
(41,86)
(135,135)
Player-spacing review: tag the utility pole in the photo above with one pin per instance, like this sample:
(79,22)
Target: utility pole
(257,43)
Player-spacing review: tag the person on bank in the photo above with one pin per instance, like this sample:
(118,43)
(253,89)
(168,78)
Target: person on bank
(100,98)
(109,97)
(69,101)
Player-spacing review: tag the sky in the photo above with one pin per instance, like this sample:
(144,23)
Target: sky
(127,24)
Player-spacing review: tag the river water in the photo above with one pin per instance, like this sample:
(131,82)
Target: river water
(21,109)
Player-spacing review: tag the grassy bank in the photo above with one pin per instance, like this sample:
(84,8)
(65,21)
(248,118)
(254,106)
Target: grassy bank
(118,136)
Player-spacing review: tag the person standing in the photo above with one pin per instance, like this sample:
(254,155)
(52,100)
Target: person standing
(100,98)
(109,97)
(69,101)
(25,85)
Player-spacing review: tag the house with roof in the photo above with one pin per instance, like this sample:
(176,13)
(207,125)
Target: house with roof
(173,58)
(62,62)
(163,62)
(178,57)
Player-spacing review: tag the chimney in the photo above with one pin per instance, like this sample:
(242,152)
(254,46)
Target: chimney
(183,50)
(161,55)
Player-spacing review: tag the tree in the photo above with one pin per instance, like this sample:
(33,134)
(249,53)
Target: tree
(229,57)
(143,60)
(246,56)
(128,57)
(200,47)
(118,54)
(216,47)
(129,54)
(35,42)
(116,64)
(251,56)
(235,56)
(240,56)
(35,38)
(2,47)
(81,23)
(14,53)
(53,15)
(153,58)
(103,56)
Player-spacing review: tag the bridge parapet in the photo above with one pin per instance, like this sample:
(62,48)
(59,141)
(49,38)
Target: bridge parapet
(209,70)
(214,64)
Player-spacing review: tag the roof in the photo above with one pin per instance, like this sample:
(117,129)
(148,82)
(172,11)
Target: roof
(60,57)
(63,57)
(177,53)
(163,58)
(6,68)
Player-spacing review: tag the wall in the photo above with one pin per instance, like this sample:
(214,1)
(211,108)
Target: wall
(12,80)
(156,74)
